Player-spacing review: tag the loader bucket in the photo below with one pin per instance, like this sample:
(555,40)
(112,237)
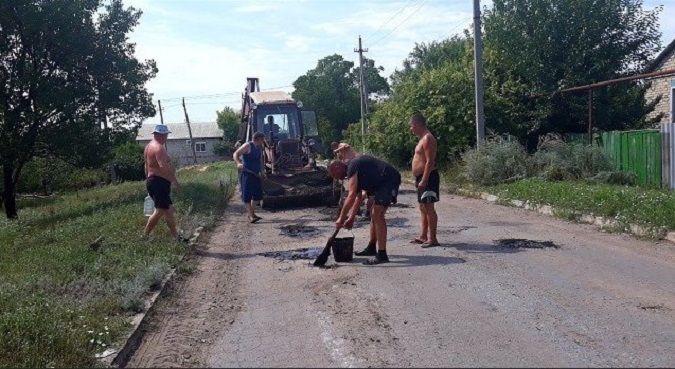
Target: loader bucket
(300,189)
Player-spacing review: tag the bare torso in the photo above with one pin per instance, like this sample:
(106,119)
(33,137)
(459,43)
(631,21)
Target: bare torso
(420,158)
(153,150)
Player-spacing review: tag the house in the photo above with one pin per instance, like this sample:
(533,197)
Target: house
(205,135)
(663,86)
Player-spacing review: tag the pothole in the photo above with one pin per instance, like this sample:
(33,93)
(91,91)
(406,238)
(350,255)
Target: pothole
(298,230)
(521,243)
(297,254)
(455,230)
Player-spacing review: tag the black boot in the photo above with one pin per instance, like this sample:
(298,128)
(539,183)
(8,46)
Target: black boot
(380,258)
(368,251)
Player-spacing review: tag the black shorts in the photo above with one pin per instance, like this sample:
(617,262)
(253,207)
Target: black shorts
(430,194)
(387,193)
(160,191)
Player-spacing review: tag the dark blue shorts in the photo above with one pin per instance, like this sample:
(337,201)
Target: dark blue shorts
(159,190)
(387,193)
(251,187)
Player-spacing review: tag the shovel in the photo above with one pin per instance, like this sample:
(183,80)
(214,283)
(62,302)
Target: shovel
(272,187)
(323,257)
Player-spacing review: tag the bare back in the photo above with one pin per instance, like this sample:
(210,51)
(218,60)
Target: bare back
(425,151)
(157,161)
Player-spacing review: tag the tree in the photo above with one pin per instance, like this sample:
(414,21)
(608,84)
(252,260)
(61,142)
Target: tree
(536,47)
(371,75)
(69,81)
(228,120)
(332,90)
(439,88)
(432,55)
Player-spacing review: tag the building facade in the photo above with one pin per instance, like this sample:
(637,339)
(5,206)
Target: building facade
(205,137)
(663,87)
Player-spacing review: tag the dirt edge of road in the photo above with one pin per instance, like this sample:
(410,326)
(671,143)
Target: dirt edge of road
(190,302)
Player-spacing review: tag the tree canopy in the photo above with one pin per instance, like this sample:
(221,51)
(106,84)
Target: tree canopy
(69,82)
(228,120)
(533,48)
(332,90)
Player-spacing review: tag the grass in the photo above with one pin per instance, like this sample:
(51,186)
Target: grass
(61,301)
(628,205)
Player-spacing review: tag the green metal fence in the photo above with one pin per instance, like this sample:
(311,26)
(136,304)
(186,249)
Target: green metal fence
(638,152)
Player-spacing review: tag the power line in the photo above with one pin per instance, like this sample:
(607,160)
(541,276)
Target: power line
(421,5)
(214,96)
(391,17)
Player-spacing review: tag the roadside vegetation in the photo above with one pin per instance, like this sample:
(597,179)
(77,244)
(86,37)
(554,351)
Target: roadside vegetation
(64,297)
(573,177)
(627,205)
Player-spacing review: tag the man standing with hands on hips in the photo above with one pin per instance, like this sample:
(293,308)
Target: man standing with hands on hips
(250,184)
(427,180)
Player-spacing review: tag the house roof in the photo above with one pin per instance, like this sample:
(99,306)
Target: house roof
(179,131)
(271,97)
(654,64)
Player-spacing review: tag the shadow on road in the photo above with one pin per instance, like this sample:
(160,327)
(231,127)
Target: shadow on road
(482,248)
(408,261)
(223,255)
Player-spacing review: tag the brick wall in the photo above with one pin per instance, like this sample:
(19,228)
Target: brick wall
(661,87)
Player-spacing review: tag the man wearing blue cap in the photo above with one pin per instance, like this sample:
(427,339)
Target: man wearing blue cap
(160,174)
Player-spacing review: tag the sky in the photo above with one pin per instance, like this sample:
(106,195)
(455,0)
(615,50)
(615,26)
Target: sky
(205,49)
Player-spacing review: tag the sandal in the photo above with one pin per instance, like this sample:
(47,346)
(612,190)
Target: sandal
(434,244)
(418,241)
(255,219)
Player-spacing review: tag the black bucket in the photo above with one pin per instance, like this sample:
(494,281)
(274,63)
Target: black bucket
(343,249)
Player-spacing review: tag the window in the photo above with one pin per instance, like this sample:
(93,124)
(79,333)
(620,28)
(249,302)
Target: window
(200,147)
(187,143)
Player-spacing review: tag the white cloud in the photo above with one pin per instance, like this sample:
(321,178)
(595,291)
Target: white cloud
(257,8)
(298,43)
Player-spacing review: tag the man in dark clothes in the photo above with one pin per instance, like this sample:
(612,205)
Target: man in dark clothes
(380,181)
(249,178)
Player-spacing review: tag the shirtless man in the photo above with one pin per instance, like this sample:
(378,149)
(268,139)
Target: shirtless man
(427,180)
(160,174)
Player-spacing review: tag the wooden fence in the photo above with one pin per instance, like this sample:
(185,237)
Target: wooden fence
(637,152)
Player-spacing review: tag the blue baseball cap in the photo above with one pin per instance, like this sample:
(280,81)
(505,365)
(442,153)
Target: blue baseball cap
(161,129)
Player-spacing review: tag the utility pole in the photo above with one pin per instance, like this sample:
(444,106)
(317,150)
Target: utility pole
(364,95)
(478,74)
(192,143)
(161,119)
(161,115)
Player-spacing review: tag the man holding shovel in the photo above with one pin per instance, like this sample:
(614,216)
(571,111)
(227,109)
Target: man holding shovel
(250,183)
(380,181)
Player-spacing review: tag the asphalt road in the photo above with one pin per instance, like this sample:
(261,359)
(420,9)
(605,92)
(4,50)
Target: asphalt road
(597,300)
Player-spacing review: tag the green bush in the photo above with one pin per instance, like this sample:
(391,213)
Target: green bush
(47,175)
(498,160)
(505,159)
(128,162)
(615,178)
(223,148)
(557,160)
